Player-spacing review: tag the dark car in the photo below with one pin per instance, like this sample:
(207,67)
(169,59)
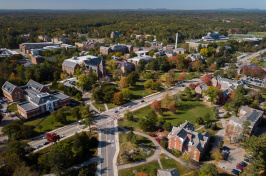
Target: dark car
(46,143)
(142,101)
(247,160)
(235,172)
(243,164)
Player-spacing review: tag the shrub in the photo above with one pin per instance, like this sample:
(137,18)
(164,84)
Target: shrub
(199,120)
(158,140)
(160,130)
(164,144)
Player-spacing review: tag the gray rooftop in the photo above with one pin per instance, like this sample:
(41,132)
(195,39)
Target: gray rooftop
(60,95)
(35,85)
(8,87)
(69,64)
(27,106)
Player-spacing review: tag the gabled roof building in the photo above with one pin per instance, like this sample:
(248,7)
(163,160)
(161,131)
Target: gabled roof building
(35,98)
(185,139)
(168,172)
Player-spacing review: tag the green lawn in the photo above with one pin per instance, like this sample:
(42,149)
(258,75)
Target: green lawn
(171,163)
(34,122)
(139,91)
(99,105)
(188,77)
(187,110)
(50,124)
(111,105)
(13,107)
(127,146)
(148,168)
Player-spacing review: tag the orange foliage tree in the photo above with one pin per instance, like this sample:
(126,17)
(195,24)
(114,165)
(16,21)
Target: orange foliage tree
(141,174)
(118,98)
(123,82)
(156,105)
(207,79)
(182,76)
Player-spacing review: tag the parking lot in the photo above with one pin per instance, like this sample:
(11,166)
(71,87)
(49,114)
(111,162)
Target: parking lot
(236,155)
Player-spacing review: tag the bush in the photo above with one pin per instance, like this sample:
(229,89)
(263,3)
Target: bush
(197,98)
(199,120)
(160,130)
(176,153)
(227,115)
(152,134)
(214,126)
(158,140)
(208,125)
(164,144)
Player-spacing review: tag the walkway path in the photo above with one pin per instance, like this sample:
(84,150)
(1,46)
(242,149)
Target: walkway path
(106,107)
(155,156)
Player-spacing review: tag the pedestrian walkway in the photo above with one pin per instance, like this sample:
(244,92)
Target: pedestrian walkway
(106,107)
(159,161)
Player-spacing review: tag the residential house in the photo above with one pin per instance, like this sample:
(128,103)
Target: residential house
(196,56)
(227,85)
(180,51)
(44,38)
(185,139)
(199,89)
(235,125)
(168,172)
(115,34)
(61,40)
(125,66)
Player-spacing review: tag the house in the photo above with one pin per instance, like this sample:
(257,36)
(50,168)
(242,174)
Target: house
(156,45)
(35,97)
(135,60)
(180,51)
(61,40)
(88,44)
(26,36)
(44,38)
(199,89)
(125,66)
(97,64)
(168,172)
(227,85)
(169,53)
(196,56)
(185,139)
(254,116)
(36,59)
(115,34)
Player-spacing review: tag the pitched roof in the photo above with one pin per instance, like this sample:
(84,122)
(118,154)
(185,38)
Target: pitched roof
(42,98)
(203,86)
(69,64)
(168,172)
(8,87)
(35,85)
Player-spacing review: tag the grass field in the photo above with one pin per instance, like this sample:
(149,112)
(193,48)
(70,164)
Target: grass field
(171,163)
(187,110)
(98,106)
(148,168)
(127,146)
(13,107)
(188,77)
(34,122)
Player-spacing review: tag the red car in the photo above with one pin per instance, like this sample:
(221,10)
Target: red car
(239,167)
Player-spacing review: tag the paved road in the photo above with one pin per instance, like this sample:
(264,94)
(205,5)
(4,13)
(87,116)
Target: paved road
(107,148)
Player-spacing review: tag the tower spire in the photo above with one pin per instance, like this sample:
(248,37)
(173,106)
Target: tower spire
(176,40)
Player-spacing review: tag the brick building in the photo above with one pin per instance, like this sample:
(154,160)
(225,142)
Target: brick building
(35,97)
(44,38)
(235,125)
(115,34)
(61,40)
(88,62)
(27,47)
(185,139)
(88,44)
(116,48)
(35,59)
(200,88)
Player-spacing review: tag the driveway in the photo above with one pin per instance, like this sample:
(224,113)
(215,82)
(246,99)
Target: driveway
(236,156)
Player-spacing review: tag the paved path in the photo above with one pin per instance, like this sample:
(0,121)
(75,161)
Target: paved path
(159,149)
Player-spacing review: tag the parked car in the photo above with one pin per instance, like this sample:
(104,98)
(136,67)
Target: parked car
(38,146)
(239,170)
(243,164)
(239,167)
(62,136)
(142,101)
(116,111)
(235,172)
(247,160)
(46,143)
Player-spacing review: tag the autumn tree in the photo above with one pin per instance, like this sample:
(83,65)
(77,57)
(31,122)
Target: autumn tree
(118,98)
(182,76)
(87,115)
(206,79)
(192,86)
(216,154)
(123,82)
(198,65)
(168,99)
(156,105)
(212,67)
(148,122)
(141,174)
(213,93)
(52,137)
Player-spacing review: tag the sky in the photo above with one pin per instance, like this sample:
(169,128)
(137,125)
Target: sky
(132,4)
